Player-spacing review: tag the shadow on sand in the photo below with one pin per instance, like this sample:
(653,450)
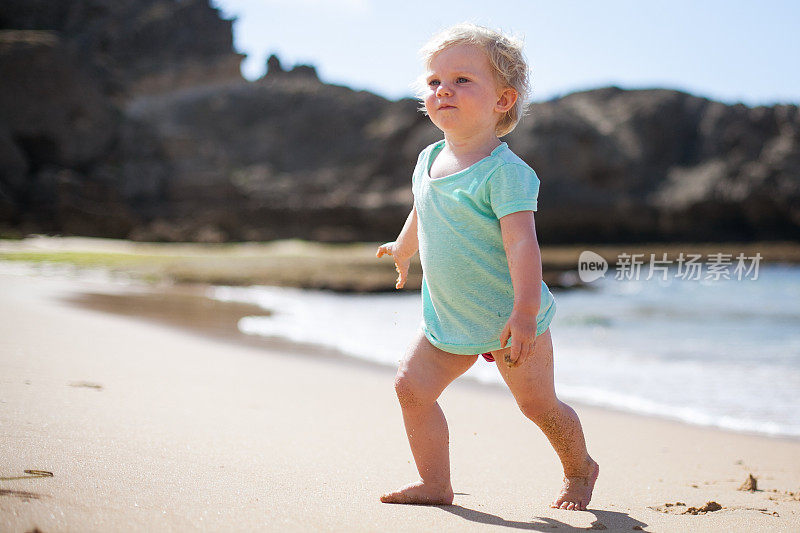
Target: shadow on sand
(603,520)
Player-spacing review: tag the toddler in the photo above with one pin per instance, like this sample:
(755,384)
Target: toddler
(482,288)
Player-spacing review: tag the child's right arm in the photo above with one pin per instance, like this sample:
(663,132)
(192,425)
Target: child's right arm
(403,249)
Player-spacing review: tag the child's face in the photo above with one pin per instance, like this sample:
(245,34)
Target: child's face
(462,96)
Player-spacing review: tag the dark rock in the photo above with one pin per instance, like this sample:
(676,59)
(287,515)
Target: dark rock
(71,161)
(55,111)
(136,46)
(131,119)
(658,164)
(274,66)
(306,71)
(274,69)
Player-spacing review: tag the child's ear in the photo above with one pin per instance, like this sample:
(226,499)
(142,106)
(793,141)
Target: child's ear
(507,99)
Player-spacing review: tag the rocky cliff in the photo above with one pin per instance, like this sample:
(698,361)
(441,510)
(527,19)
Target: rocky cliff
(129,118)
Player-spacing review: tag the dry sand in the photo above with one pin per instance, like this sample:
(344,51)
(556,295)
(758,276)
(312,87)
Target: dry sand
(149,427)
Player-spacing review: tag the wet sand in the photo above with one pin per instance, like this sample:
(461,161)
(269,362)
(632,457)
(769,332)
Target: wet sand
(187,307)
(150,418)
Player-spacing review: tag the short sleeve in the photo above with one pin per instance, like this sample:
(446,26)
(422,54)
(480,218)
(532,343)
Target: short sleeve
(419,168)
(513,188)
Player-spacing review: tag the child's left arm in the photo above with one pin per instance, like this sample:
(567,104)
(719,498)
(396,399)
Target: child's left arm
(525,265)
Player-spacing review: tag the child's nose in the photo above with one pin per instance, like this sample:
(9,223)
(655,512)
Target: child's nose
(444,90)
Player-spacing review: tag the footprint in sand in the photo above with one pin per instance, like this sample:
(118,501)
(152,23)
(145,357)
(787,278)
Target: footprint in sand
(709,507)
(681,508)
(87,384)
(24,495)
(31,474)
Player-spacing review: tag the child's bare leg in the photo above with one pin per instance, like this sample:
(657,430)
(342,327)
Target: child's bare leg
(531,383)
(423,374)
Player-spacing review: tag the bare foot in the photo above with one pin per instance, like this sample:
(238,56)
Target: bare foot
(421,494)
(577,490)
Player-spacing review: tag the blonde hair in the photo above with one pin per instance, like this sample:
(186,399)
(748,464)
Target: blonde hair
(505,56)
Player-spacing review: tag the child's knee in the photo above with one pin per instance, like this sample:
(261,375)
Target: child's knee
(411,392)
(540,409)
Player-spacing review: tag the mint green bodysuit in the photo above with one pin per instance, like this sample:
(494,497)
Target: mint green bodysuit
(467,295)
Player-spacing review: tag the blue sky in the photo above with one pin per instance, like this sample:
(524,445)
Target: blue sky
(733,51)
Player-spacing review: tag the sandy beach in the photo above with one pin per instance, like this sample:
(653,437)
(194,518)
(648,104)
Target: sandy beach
(147,424)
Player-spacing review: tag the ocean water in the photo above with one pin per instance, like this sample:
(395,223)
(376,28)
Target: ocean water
(722,353)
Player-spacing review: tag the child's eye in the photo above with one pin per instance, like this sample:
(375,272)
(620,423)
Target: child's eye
(461,80)
(433,83)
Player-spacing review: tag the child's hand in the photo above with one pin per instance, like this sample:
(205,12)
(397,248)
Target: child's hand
(401,261)
(521,326)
